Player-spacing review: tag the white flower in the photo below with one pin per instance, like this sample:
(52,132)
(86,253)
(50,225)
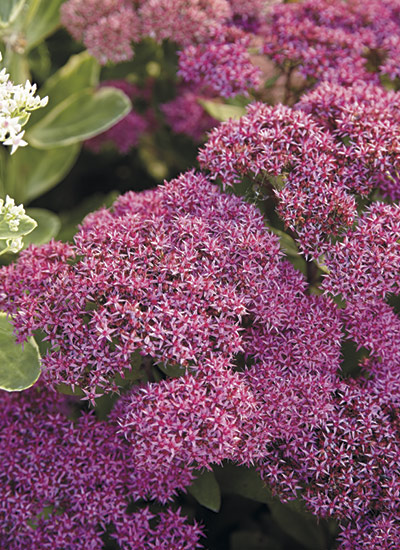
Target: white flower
(15,245)
(16,141)
(11,213)
(16,102)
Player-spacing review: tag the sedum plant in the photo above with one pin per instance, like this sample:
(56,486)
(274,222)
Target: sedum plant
(234,331)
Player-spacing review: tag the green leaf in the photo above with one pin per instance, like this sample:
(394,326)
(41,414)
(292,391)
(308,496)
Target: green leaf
(31,172)
(9,11)
(291,517)
(289,247)
(48,226)
(206,491)
(80,72)
(222,111)
(174,371)
(42,19)
(246,482)
(80,117)
(20,365)
(296,522)
(26,225)
(18,68)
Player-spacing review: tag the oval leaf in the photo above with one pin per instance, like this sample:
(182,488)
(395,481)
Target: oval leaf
(206,491)
(222,111)
(20,365)
(296,522)
(80,72)
(31,172)
(42,18)
(48,226)
(80,117)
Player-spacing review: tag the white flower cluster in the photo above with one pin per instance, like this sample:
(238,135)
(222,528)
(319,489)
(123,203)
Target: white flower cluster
(11,213)
(16,102)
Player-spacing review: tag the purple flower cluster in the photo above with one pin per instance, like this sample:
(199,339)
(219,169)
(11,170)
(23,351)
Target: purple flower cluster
(366,263)
(221,64)
(106,27)
(336,142)
(185,115)
(214,36)
(341,41)
(162,275)
(188,277)
(191,277)
(64,483)
(364,120)
(184,423)
(285,148)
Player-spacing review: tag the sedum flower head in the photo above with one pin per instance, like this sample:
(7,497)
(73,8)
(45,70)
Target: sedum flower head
(65,483)
(162,273)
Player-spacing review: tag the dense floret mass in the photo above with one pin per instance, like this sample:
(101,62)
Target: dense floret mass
(64,483)
(341,41)
(161,274)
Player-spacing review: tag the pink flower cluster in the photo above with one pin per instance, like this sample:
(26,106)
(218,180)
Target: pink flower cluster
(364,120)
(279,142)
(106,27)
(341,41)
(190,276)
(366,263)
(210,33)
(185,115)
(65,483)
(335,142)
(160,274)
(222,64)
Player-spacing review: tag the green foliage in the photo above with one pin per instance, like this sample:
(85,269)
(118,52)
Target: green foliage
(32,172)
(26,226)
(80,72)
(20,365)
(48,226)
(291,517)
(206,491)
(81,116)
(9,11)
(222,111)
(41,19)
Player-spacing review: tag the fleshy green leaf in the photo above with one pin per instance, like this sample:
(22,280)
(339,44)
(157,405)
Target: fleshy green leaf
(19,365)
(206,491)
(246,482)
(296,522)
(291,517)
(9,11)
(79,117)
(42,19)
(222,111)
(31,172)
(48,226)
(26,226)
(80,72)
